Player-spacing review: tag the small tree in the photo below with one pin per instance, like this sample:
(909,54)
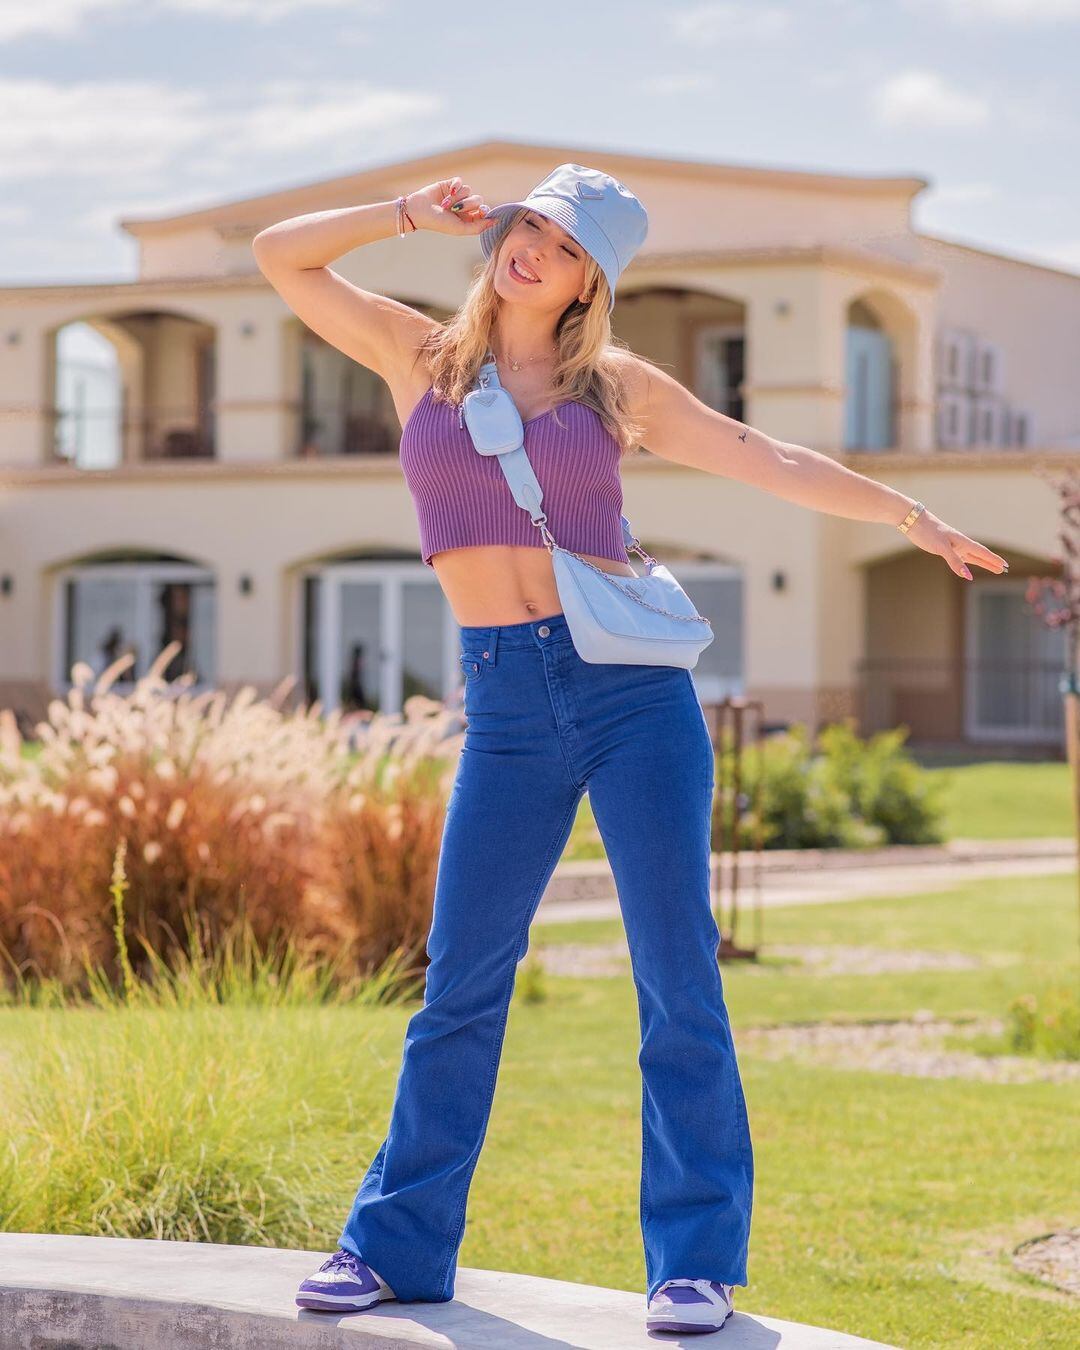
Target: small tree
(1056,600)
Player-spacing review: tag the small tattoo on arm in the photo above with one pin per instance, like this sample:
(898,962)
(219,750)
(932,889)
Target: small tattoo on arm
(743,436)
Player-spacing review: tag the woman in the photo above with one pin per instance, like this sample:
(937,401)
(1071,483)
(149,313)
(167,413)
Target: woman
(544,726)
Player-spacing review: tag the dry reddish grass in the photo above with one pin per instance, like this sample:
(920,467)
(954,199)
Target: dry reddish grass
(230,809)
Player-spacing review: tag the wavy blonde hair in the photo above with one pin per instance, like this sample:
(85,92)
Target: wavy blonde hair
(586,361)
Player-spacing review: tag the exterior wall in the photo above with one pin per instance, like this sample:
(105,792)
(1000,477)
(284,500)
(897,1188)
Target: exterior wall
(691,206)
(1003,501)
(1033,315)
(784,256)
(267,522)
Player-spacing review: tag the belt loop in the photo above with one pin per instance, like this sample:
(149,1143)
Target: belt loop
(491,644)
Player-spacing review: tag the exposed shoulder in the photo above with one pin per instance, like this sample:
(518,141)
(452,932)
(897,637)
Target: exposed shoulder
(634,373)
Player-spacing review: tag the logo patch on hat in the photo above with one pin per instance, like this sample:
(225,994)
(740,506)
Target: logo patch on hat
(587,190)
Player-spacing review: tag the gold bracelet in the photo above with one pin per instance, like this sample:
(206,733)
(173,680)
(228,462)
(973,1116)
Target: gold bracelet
(911,517)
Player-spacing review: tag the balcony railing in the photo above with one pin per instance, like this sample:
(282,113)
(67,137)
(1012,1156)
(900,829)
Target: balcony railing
(97,438)
(334,428)
(1012,700)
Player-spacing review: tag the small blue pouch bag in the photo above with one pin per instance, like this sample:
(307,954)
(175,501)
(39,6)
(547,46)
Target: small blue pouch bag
(637,620)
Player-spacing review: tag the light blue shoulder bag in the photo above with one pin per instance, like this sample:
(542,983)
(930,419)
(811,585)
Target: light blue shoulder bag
(638,620)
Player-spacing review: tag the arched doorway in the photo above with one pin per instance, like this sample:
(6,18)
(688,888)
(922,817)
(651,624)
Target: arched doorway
(133,385)
(870,380)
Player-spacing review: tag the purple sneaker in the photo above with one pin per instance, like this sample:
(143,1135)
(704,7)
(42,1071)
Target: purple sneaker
(690,1306)
(343,1283)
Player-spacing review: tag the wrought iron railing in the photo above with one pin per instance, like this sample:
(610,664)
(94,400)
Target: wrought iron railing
(334,428)
(1016,699)
(106,437)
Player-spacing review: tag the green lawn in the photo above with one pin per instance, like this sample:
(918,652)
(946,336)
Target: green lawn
(995,800)
(885,1206)
(998,800)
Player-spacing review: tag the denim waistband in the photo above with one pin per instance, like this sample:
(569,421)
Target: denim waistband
(533,633)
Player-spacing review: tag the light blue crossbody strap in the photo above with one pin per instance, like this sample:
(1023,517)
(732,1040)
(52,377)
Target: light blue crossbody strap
(515,464)
(519,473)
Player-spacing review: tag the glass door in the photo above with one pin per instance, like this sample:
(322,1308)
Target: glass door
(377,633)
(868,405)
(109,609)
(721,361)
(1014,663)
(717,591)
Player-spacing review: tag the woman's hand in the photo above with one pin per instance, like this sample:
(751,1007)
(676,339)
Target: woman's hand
(933,535)
(448,207)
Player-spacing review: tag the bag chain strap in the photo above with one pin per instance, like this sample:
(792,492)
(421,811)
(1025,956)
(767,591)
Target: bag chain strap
(549,540)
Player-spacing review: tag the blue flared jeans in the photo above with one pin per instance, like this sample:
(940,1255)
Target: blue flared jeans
(543,727)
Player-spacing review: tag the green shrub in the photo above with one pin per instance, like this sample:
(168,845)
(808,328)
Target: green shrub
(884,784)
(166,1126)
(1046,1025)
(835,792)
(154,1107)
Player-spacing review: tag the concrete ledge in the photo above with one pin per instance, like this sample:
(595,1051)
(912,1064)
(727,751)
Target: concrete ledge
(142,1295)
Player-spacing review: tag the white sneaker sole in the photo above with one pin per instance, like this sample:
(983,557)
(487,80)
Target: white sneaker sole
(342,1302)
(688,1318)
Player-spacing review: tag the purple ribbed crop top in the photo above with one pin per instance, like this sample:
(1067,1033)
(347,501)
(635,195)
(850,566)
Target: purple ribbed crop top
(463,499)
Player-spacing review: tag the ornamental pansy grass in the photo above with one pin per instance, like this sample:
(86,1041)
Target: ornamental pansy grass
(310,827)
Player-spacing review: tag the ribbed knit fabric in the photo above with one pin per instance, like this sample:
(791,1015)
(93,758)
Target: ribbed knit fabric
(463,499)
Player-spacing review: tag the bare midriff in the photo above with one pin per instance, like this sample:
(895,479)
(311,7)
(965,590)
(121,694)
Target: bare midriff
(500,584)
(496,583)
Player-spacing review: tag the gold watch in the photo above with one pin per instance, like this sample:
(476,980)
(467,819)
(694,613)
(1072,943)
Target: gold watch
(911,517)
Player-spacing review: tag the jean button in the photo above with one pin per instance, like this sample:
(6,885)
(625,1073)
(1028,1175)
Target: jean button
(544,630)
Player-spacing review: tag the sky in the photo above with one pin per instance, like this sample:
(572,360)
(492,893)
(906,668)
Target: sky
(118,108)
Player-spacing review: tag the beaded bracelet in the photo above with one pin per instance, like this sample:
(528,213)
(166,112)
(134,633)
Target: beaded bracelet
(911,517)
(400,216)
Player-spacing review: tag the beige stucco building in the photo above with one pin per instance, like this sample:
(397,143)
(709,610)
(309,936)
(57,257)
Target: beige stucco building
(181,457)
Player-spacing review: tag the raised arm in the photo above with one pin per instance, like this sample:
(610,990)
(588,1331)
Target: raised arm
(679,427)
(375,330)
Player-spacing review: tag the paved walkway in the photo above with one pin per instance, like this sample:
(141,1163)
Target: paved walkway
(144,1295)
(818,876)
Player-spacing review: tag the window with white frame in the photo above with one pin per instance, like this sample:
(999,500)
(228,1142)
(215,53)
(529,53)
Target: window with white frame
(107,609)
(721,368)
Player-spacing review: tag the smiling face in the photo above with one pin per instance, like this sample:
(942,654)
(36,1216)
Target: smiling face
(552,262)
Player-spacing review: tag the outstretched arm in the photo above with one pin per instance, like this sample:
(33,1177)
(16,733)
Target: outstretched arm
(679,427)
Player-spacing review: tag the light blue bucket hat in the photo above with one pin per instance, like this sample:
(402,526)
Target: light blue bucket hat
(601,213)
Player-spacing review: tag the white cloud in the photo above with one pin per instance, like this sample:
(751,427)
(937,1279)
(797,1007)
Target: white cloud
(922,99)
(1027,12)
(65,18)
(266,10)
(730,21)
(123,129)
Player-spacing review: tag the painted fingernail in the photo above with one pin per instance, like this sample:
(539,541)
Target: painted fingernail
(967,574)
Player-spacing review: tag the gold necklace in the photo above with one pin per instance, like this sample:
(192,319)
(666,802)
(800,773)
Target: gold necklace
(516,365)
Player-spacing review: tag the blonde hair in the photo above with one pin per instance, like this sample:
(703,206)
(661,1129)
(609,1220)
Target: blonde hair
(586,366)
